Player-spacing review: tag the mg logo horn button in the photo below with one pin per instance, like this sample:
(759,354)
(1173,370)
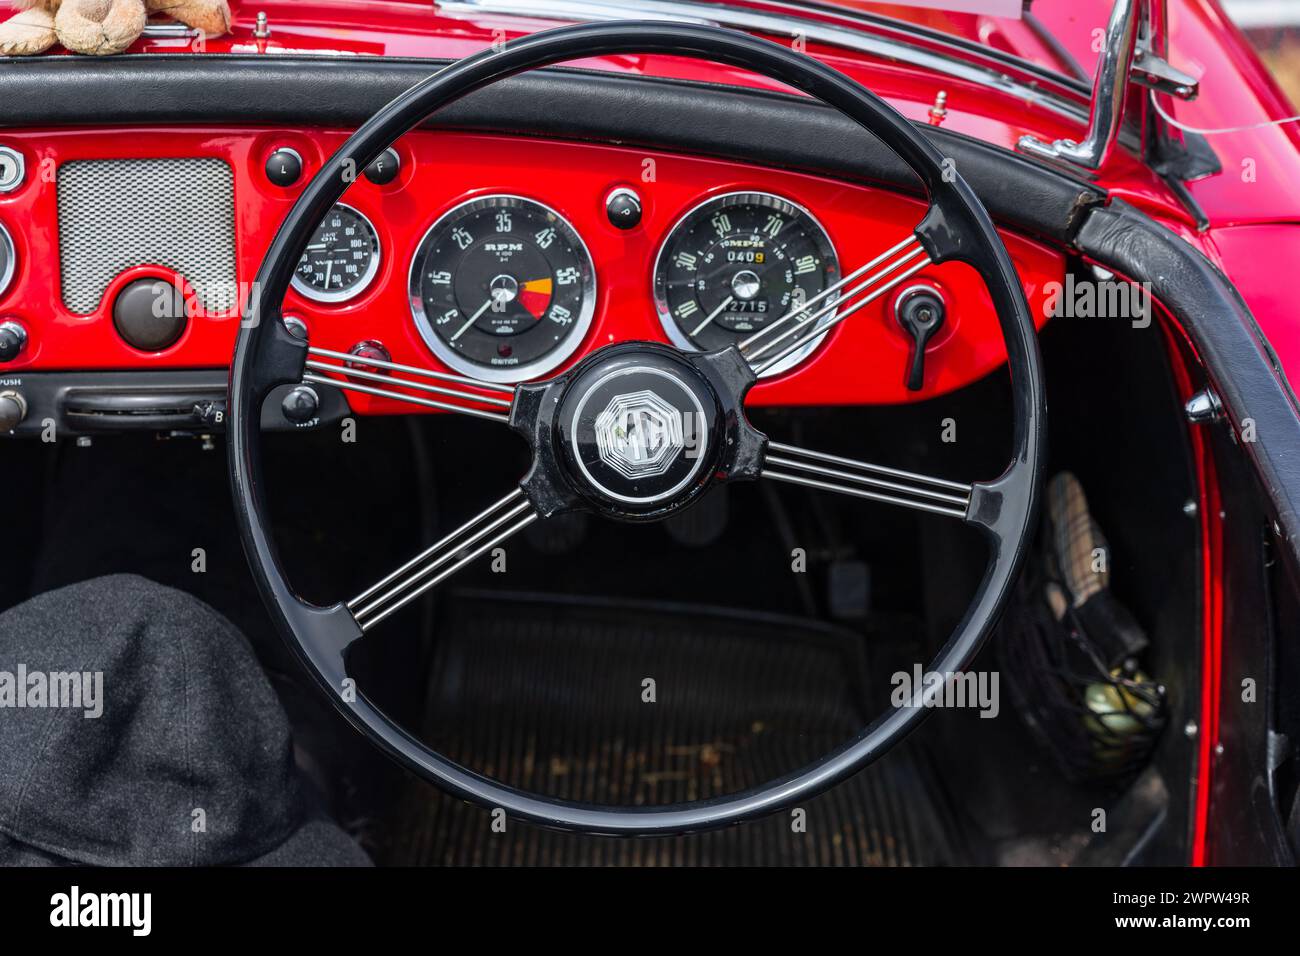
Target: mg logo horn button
(638,432)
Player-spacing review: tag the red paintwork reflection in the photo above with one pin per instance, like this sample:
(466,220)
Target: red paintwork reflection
(1261,259)
(863,361)
(1178,347)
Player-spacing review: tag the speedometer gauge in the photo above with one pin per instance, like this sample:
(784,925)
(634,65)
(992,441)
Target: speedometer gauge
(503,288)
(341,259)
(738,263)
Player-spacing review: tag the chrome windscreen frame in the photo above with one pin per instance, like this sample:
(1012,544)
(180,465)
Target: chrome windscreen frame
(857,31)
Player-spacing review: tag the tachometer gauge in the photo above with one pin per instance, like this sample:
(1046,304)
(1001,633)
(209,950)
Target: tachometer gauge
(341,259)
(737,263)
(503,288)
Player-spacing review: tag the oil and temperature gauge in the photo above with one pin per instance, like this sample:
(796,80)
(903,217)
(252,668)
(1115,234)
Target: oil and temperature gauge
(341,259)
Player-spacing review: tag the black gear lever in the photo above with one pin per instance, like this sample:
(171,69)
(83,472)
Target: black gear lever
(921,314)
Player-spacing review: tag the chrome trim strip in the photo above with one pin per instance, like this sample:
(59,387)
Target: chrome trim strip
(1079,85)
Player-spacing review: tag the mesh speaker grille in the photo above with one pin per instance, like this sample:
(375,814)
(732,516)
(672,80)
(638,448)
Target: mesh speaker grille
(119,213)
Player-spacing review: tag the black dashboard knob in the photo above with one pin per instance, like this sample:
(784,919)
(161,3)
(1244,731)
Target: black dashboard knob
(385,167)
(13,338)
(284,168)
(623,207)
(301,404)
(150,314)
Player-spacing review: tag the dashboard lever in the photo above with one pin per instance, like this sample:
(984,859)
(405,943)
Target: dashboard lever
(210,412)
(920,311)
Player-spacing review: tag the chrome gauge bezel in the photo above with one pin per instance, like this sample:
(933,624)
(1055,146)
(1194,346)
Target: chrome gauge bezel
(721,201)
(367,277)
(506,373)
(11,259)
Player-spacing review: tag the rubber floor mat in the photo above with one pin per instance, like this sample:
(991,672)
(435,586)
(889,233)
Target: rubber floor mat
(551,696)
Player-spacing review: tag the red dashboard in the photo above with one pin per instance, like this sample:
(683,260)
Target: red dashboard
(862,360)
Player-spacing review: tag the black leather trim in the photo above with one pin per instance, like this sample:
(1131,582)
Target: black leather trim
(1242,367)
(769,128)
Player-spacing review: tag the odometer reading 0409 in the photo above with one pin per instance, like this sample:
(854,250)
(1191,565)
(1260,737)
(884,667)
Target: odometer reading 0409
(503,288)
(737,263)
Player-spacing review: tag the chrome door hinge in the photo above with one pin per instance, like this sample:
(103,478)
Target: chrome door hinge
(1155,73)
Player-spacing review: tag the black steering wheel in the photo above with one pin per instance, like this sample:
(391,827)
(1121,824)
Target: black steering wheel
(692,402)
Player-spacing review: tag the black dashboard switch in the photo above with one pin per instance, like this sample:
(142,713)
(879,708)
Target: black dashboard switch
(301,404)
(623,206)
(920,312)
(211,413)
(385,167)
(284,168)
(13,338)
(149,314)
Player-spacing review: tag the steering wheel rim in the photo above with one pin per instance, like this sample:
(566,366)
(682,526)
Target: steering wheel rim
(956,227)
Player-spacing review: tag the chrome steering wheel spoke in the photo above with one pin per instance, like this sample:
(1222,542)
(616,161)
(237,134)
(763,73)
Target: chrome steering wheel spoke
(861,479)
(385,379)
(476,537)
(808,320)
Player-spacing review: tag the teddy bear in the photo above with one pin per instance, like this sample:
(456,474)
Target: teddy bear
(100,26)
